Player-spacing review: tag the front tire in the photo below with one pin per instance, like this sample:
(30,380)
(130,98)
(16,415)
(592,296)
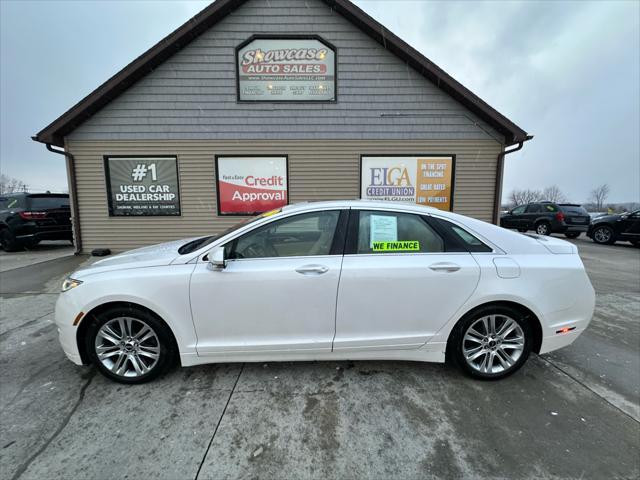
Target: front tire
(603,235)
(543,228)
(491,343)
(572,234)
(129,345)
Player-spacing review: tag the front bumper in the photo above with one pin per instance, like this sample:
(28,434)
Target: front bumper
(65,313)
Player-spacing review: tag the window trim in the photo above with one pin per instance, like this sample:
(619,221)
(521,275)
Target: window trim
(340,230)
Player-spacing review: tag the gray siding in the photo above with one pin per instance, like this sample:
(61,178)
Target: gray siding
(318,170)
(193,94)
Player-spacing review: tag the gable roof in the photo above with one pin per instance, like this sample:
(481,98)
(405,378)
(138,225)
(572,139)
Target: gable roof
(55,132)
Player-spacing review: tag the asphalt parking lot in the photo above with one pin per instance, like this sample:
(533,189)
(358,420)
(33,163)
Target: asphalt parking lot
(574,413)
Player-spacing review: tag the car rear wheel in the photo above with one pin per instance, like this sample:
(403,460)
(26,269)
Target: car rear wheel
(492,343)
(543,228)
(129,345)
(8,241)
(603,235)
(572,234)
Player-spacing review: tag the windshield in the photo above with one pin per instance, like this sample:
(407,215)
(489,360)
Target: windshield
(194,245)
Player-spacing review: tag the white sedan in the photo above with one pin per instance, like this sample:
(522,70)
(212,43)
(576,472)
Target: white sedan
(330,281)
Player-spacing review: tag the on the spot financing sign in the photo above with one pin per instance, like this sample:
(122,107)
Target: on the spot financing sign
(425,180)
(286,69)
(251,185)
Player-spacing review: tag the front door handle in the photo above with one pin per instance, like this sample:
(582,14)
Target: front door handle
(312,269)
(444,267)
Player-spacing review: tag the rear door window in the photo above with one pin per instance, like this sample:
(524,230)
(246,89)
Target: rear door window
(534,208)
(48,202)
(460,236)
(381,232)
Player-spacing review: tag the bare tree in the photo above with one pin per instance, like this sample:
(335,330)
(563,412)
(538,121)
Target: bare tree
(10,185)
(599,196)
(521,197)
(553,194)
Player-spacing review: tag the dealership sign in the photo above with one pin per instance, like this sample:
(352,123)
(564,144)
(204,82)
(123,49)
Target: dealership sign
(425,180)
(142,186)
(251,185)
(286,69)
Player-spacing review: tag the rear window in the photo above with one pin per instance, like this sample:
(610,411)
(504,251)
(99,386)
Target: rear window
(574,209)
(48,203)
(11,201)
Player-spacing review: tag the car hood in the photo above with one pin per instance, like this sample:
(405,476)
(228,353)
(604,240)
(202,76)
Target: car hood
(606,218)
(151,256)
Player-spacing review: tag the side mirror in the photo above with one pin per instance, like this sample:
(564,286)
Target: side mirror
(216,258)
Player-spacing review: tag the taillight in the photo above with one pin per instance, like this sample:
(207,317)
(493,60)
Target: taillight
(560,216)
(32,215)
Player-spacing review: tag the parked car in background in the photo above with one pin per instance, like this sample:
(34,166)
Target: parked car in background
(608,229)
(339,280)
(28,218)
(546,218)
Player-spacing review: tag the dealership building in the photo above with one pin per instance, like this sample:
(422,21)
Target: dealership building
(254,104)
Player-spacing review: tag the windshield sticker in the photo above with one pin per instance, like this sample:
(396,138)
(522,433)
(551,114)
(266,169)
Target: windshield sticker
(383,228)
(402,246)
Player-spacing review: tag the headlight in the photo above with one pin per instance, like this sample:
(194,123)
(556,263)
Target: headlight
(70,283)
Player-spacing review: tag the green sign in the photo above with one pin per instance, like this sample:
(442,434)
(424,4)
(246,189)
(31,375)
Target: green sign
(403,246)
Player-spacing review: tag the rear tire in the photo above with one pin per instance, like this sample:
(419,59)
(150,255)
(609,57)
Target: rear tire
(490,343)
(572,234)
(603,235)
(543,228)
(129,345)
(8,241)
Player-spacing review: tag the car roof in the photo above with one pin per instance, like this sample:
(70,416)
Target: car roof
(359,204)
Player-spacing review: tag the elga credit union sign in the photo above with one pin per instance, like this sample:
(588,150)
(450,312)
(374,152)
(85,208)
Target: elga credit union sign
(142,185)
(425,180)
(251,185)
(286,69)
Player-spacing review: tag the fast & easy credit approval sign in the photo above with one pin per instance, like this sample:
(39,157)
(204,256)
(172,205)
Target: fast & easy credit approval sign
(251,185)
(425,180)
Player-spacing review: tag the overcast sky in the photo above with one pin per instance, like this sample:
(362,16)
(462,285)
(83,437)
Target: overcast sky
(567,72)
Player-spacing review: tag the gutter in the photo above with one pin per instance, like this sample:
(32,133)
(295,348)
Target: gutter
(73,191)
(500,171)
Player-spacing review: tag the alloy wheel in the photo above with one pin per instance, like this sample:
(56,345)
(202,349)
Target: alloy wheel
(602,235)
(493,344)
(127,346)
(542,229)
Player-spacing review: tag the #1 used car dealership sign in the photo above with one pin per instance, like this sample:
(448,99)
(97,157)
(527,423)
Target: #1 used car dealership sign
(286,69)
(250,185)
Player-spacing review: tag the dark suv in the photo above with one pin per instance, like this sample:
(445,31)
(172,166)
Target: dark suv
(28,218)
(548,217)
(609,229)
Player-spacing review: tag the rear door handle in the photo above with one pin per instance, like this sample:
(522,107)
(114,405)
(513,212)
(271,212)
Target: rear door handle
(312,269)
(444,267)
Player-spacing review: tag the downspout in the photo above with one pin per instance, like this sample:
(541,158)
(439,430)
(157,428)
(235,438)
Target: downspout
(73,191)
(498,191)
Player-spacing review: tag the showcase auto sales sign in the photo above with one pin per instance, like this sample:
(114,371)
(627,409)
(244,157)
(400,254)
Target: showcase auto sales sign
(250,185)
(291,69)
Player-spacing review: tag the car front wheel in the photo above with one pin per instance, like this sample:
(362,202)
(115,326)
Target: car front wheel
(129,345)
(492,343)
(603,235)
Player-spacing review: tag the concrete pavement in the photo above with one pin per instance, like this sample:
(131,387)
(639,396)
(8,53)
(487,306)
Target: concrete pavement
(571,414)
